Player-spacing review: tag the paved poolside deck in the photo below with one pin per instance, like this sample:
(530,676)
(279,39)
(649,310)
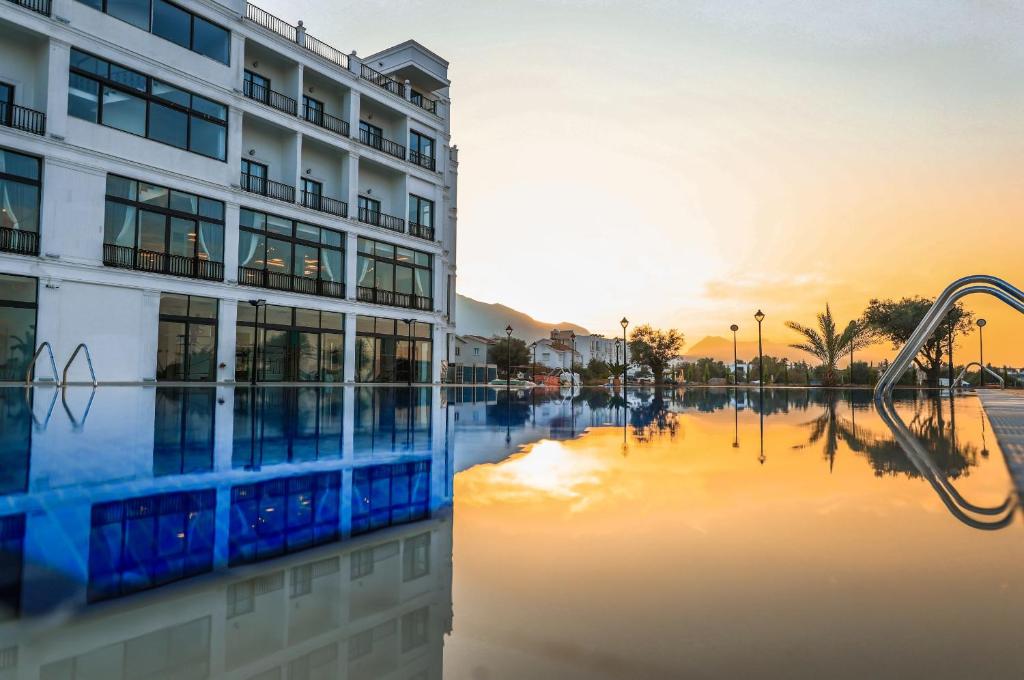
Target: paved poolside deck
(1005,411)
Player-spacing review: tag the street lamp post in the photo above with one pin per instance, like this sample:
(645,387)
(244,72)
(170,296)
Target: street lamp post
(572,363)
(508,360)
(735,359)
(534,377)
(625,355)
(949,343)
(256,337)
(759,317)
(785,369)
(981,348)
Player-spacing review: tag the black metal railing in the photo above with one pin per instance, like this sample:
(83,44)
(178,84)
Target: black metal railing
(19,241)
(324,204)
(20,118)
(381,80)
(421,231)
(382,144)
(264,278)
(380,219)
(325,51)
(378,296)
(127,257)
(271,98)
(269,21)
(40,6)
(424,102)
(422,160)
(325,120)
(267,187)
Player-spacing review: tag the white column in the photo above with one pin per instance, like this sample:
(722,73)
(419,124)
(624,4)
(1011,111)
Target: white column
(300,80)
(353,110)
(149,326)
(440,350)
(353,187)
(58,60)
(238,59)
(227,316)
(236,126)
(231,236)
(350,352)
(224,428)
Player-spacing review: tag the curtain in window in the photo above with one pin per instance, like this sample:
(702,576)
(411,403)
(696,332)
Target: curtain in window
(120,225)
(19,206)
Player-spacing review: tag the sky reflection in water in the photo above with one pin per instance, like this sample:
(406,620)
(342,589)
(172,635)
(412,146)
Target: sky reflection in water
(312,532)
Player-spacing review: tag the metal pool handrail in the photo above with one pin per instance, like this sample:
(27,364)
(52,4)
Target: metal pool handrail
(959,378)
(968,285)
(35,357)
(88,359)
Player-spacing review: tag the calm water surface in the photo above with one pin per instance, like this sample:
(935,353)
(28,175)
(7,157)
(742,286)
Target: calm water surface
(357,532)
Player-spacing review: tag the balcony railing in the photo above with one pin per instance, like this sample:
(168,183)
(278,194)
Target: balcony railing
(422,160)
(19,241)
(264,278)
(40,6)
(421,231)
(268,188)
(328,205)
(380,219)
(292,33)
(20,118)
(271,98)
(381,80)
(393,299)
(127,257)
(382,144)
(325,120)
(424,102)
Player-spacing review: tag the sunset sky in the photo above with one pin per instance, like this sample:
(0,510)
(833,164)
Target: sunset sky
(685,163)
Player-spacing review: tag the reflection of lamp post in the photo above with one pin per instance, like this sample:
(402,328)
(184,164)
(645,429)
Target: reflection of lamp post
(761,458)
(735,419)
(759,317)
(412,347)
(735,360)
(256,336)
(508,360)
(981,349)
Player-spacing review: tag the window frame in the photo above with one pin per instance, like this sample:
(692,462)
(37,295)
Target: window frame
(294,239)
(420,200)
(104,83)
(37,183)
(21,304)
(189,320)
(395,262)
(262,325)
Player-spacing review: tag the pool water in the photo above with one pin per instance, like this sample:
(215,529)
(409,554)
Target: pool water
(384,532)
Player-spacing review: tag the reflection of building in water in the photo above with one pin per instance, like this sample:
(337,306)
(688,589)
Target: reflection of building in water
(148,551)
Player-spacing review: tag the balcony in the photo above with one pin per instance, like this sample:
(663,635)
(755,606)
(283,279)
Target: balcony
(269,97)
(380,219)
(325,121)
(425,103)
(19,241)
(264,278)
(39,6)
(126,257)
(423,160)
(393,299)
(268,188)
(283,28)
(421,231)
(331,206)
(20,118)
(382,144)
(382,81)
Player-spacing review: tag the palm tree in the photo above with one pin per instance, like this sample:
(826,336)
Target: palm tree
(825,344)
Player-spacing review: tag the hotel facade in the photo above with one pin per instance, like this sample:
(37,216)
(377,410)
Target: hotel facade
(201,191)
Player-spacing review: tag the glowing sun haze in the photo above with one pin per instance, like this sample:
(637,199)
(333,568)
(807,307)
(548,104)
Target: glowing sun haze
(685,163)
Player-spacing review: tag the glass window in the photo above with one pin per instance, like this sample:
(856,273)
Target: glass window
(209,108)
(211,242)
(128,78)
(168,125)
(152,231)
(119,225)
(172,23)
(18,165)
(171,93)
(208,139)
(83,98)
(187,338)
(211,40)
(120,187)
(17,325)
(295,344)
(19,204)
(124,111)
(152,194)
(89,64)
(135,12)
(211,208)
(292,252)
(183,202)
(182,237)
(251,250)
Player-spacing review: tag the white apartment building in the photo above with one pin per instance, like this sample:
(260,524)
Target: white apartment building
(198,190)
(592,346)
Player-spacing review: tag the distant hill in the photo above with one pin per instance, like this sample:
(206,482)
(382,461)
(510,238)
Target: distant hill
(487,319)
(719,348)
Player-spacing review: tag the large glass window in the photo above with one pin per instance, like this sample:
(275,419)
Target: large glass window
(393,275)
(158,229)
(421,149)
(421,217)
(145,106)
(17,325)
(388,349)
(289,344)
(187,339)
(274,252)
(19,203)
(173,23)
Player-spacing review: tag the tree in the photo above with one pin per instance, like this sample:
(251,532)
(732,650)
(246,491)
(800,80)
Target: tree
(896,321)
(826,344)
(654,348)
(498,354)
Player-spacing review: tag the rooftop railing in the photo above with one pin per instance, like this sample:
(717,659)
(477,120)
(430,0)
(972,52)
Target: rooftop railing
(381,80)
(38,6)
(296,34)
(20,118)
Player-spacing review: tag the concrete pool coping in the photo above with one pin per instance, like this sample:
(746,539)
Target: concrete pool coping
(1005,411)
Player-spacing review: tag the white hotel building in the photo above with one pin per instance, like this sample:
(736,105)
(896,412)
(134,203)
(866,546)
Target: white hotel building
(192,187)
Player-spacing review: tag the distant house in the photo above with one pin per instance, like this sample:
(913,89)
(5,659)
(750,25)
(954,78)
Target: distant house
(469,360)
(554,354)
(591,346)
